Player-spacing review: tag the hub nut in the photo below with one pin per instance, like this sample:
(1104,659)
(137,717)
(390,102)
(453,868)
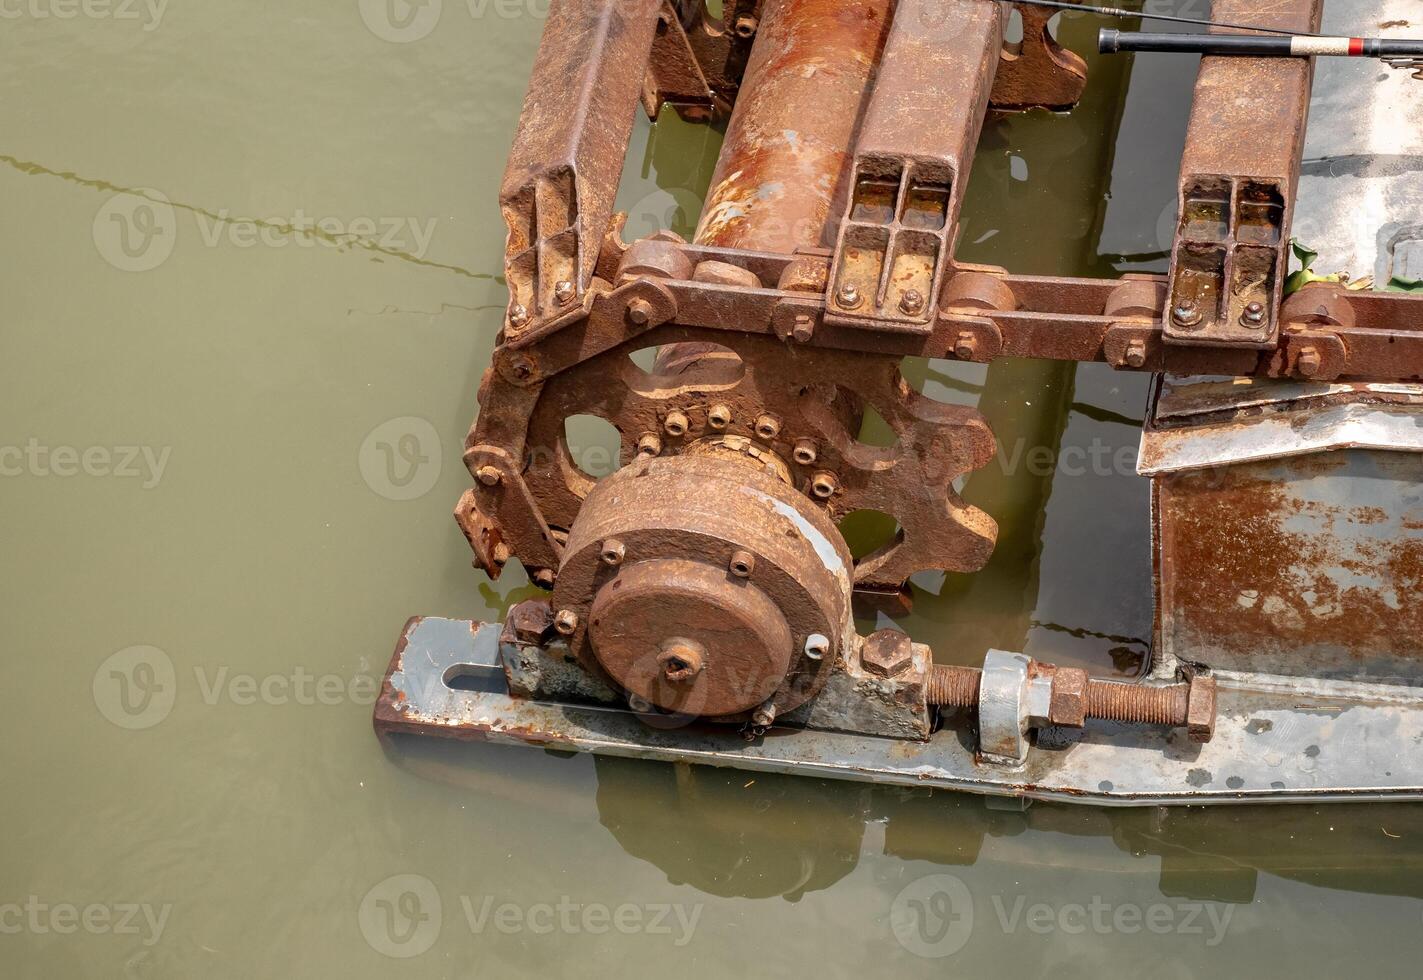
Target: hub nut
(824,485)
(566,622)
(719,416)
(768,427)
(676,423)
(804,452)
(614,551)
(742,564)
(649,445)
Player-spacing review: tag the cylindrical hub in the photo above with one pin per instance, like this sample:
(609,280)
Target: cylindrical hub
(730,591)
(778,181)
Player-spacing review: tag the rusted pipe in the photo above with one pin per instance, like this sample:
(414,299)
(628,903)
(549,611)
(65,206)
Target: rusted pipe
(786,154)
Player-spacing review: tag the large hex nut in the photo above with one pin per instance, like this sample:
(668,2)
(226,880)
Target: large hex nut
(887,652)
(1068,704)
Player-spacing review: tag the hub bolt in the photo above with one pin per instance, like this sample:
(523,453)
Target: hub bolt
(613,552)
(566,621)
(768,427)
(742,564)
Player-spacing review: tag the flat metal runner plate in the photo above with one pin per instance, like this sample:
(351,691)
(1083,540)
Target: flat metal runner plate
(1281,746)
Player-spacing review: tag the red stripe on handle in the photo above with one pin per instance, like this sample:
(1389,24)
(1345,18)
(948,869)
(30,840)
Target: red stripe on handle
(1356,47)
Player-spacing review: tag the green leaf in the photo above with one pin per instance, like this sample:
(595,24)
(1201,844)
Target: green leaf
(1398,284)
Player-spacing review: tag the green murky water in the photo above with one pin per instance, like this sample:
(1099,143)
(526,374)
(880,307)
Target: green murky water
(250,260)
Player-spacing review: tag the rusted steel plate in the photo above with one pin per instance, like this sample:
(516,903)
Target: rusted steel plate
(563,170)
(1294,745)
(912,159)
(1238,178)
(1289,528)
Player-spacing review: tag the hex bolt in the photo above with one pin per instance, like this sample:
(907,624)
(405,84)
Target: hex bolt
(824,485)
(614,551)
(1253,315)
(563,291)
(803,328)
(501,554)
(966,346)
(489,475)
(1309,361)
(518,315)
(639,312)
(566,621)
(764,716)
(1186,312)
(817,645)
(676,423)
(1189,705)
(911,302)
(746,26)
(1135,355)
(649,445)
(719,416)
(804,452)
(743,563)
(768,427)
(849,296)
(681,660)
(887,652)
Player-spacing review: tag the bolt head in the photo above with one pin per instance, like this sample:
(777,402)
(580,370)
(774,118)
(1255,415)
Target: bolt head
(966,346)
(676,423)
(887,652)
(680,661)
(613,552)
(911,301)
(1187,313)
(649,445)
(1136,354)
(743,563)
(563,291)
(804,328)
(518,315)
(719,416)
(768,427)
(489,475)
(764,716)
(1200,709)
(544,578)
(745,26)
(824,485)
(817,645)
(566,622)
(531,620)
(849,296)
(640,312)
(1310,362)
(804,452)
(522,367)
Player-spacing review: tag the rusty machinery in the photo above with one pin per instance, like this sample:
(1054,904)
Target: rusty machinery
(701,595)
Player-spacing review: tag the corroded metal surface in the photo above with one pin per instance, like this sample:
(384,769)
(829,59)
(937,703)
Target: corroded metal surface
(1270,746)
